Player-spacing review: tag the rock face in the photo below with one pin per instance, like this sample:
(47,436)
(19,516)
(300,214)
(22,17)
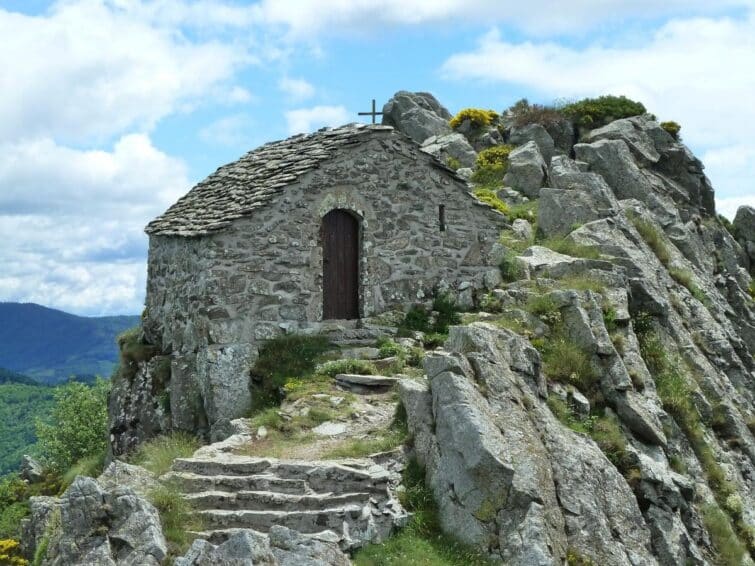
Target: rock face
(453,146)
(508,477)
(418,114)
(95,526)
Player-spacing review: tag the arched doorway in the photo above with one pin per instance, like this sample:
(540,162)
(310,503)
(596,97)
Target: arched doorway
(340,265)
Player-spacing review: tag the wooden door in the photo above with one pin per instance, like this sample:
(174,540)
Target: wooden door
(340,265)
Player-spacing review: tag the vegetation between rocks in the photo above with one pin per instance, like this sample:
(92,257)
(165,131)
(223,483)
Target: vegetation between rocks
(596,112)
(157,455)
(422,542)
(477,117)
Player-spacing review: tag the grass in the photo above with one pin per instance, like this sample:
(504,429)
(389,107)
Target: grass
(396,435)
(577,283)
(512,268)
(526,211)
(422,542)
(566,362)
(513,242)
(443,314)
(653,238)
(566,416)
(565,246)
(730,549)
(684,277)
(177,517)
(157,455)
(489,177)
(90,466)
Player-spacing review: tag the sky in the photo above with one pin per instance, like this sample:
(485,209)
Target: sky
(110,110)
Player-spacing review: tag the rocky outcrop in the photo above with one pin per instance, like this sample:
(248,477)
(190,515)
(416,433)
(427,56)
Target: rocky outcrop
(449,148)
(92,525)
(744,231)
(507,475)
(281,547)
(417,114)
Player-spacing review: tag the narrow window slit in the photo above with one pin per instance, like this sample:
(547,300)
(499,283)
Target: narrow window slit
(442,217)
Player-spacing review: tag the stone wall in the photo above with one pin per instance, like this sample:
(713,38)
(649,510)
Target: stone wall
(212,299)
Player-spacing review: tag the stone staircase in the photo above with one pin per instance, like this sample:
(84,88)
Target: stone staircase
(350,502)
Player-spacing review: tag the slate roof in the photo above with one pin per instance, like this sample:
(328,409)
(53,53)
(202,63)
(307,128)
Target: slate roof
(237,189)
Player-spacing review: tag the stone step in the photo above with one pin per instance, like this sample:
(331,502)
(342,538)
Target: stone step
(190,482)
(267,500)
(219,536)
(308,521)
(320,476)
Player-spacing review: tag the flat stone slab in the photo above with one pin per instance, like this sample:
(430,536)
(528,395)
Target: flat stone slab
(330,428)
(365,380)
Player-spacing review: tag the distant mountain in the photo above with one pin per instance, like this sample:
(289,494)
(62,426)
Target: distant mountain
(8,376)
(50,345)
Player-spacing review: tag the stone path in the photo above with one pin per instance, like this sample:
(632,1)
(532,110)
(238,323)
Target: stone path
(349,502)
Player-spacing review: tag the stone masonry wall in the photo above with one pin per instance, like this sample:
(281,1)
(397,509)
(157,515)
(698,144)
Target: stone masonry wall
(212,299)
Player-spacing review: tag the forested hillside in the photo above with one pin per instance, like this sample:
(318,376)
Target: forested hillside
(20,405)
(50,345)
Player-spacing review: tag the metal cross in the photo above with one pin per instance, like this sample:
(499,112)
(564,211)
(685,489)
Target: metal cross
(373,113)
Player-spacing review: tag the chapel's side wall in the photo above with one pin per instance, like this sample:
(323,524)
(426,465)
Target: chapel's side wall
(212,299)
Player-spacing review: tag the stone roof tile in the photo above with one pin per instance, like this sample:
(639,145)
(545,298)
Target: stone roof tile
(237,189)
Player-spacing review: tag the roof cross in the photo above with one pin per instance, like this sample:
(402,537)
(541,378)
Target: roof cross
(373,113)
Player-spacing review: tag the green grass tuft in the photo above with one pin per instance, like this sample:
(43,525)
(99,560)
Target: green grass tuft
(653,238)
(565,246)
(177,517)
(157,455)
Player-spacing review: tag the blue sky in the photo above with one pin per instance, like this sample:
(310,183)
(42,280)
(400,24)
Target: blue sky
(112,109)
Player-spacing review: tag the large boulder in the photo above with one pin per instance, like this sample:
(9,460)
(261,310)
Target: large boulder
(527,171)
(417,114)
(454,146)
(91,525)
(536,133)
(281,547)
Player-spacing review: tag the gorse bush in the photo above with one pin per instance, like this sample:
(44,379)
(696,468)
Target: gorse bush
(495,155)
(77,427)
(672,128)
(10,553)
(596,112)
(489,197)
(477,117)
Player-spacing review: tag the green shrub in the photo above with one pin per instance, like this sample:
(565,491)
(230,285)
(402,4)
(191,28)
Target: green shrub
(489,197)
(751,289)
(672,128)
(434,339)
(388,348)
(132,348)
(334,367)
(608,436)
(609,317)
(476,116)
(653,238)
(447,313)
(77,427)
(726,223)
(490,177)
(596,112)
(512,268)
(281,358)
(157,455)
(566,416)
(525,113)
(575,558)
(416,319)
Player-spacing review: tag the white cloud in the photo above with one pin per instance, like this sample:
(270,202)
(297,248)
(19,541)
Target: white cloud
(305,120)
(728,206)
(72,221)
(239,95)
(296,89)
(310,17)
(229,131)
(91,69)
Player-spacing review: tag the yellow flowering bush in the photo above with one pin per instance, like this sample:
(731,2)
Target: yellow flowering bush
(476,116)
(495,155)
(10,553)
(672,128)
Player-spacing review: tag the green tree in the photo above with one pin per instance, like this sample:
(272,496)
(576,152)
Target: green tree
(77,427)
